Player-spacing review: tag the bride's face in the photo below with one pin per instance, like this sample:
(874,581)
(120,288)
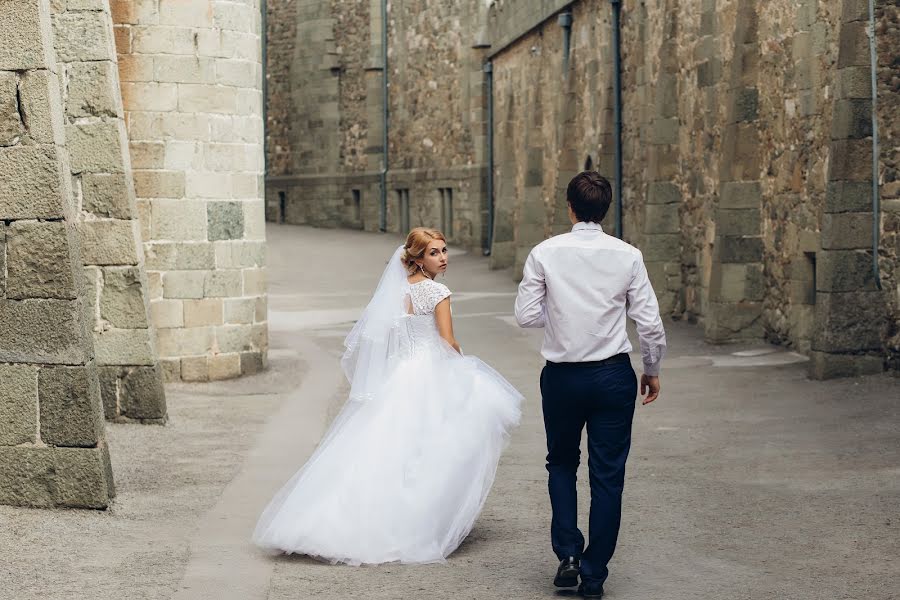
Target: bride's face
(435,259)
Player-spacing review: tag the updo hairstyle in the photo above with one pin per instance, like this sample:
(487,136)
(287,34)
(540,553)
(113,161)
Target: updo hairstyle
(416,243)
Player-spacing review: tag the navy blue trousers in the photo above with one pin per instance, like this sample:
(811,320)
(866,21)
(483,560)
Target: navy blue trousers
(602,397)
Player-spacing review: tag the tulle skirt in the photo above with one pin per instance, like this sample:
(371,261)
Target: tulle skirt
(401,476)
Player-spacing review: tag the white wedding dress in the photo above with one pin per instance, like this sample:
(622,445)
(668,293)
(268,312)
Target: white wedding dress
(405,469)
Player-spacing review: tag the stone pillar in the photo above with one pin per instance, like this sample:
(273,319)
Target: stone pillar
(736,282)
(191,86)
(661,244)
(503,251)
(850,312)
(375,114)
(52,446)
(532,214)
(130,379)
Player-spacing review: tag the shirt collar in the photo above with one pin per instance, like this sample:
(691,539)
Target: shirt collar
(589,225)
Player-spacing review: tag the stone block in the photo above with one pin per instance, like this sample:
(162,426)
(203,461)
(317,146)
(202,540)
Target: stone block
(183,284)
(852,119)
(845,271)
(159,184)
(124,347)
(109,242)
(129,12)
(662,218)
(195,341)
(245,185)
(83,36)
(733,321)
(826,365)
(262,309)
(195,368)
(848,196)
(254,282)
(135,67)
(185,14)
(223,284)
(32,183)
(42,331)
(234,338)
(665,131)
(106,195)
(2,259)
(845,231)
(207,311)
(178,220)
(853,50)
(854,10)
(738,249)
(70,406)
(154,39)
(225,220)
(18,404)
(166,256)
(849,322)
(181,155)
(251,363)
(208,185)
(206,98)
(184,69)
(42,106)
(663,162)
(238,73)
(95,146)
(853,83)
(741,152)
(27,476)
(92,90)
(663,193)
(149,96)
(254,219)
(122,300)
(83,477)
(745,105)
(661,247)
(239,254)
(738,222)
(167,313)
(740,194)
(224,366)
(240,310)
(27,38)
(147,155)
(109,378)
(12,127)
(143,396)
(38,263)
(171,369)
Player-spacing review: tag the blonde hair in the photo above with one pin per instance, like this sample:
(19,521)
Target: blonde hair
(416,243)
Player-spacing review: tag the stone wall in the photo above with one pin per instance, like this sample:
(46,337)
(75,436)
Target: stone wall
(130,378)
(191,85)
(52,446)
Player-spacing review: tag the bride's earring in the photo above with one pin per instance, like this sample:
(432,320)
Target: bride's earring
(421,268)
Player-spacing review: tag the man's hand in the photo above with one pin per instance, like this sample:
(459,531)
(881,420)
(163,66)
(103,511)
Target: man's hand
(649,386)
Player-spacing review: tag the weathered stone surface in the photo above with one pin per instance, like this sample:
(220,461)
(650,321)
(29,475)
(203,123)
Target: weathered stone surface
(740,249)
(824,365)
(845,271)
(122,300)
(83,478)
(227,283)
(199,313)
(92,89)
(42,106)
(142,394)
(224,366)
(251,363)
(109,390)
(27,476)
(27,38)
(164,256)
(733,321)
(738,222)
(852,119)
(740,194)
(69,406)
(106,195)
(38,261)
(18,404)
(226,220)
(31,183)
(42,331)
(662,218)
(123,347)
(11,126)
(848,196)
(82,36)
(2,259)
(849,322)
(847,231)
(108,242)
(95,146)
(195,368)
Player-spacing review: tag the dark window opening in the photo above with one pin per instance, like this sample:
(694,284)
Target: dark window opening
(446,211)
(282,201)
(357,205)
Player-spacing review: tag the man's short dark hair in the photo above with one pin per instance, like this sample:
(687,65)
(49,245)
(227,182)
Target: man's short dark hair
(589,194)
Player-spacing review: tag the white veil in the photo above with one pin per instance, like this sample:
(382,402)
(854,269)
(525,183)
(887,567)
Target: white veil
(372,342)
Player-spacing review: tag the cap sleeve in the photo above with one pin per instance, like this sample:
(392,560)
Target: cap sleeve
(438,293)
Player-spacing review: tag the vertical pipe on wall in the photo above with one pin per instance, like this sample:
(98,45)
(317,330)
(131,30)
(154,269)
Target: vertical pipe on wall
(876,204)
(617,108)
(384,115)
(489,84)
(565,21)
(264,40)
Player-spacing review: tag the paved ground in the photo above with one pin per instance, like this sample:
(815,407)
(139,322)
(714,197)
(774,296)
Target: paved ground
(746,480)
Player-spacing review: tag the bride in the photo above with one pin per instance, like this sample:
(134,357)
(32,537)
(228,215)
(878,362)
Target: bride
(404,470)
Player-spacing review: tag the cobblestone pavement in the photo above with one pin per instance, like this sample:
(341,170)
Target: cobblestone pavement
(746,480)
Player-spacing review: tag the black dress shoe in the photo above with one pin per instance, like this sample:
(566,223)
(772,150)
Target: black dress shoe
(567,573)
(595,593)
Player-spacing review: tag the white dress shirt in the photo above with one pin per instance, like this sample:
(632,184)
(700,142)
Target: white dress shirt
(580,286)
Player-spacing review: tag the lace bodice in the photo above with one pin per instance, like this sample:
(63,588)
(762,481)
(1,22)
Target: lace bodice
(425,295)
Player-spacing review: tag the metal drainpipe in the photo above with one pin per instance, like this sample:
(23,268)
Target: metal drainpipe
(489,77)
(384,115)
(876,204)
(617,108)
(565,21)
(265,91)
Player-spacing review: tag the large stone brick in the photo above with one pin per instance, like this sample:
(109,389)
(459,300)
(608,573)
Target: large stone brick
(159,184)
(143,396)
(83,477)
(662,218)
(854,82)
(255,281)
(38,261)
(225,220)
(224,366)
(167,313)
(854,46)
(849,322)
(42,331)
(122,300)
(27,37)
(18,404)
(224,284)
(740,194)
(32,183)
(848,196)
(845,231)
(240,310)
(12,127)
(852,119)
(199,313)
(845,271)
(106,195)
(95,146)
(166,256)
(733,321)
(178,220)
(183,284)
(2,259)
(184,69)
(825,365)
(738,249)
(661,247)
(109,390)
(738,222)
(663,193)
(196,341)
(83,36)
(27,475)
(111,242)
(239,254)
(70,406)
(92,90)
(149,96)
(123,347)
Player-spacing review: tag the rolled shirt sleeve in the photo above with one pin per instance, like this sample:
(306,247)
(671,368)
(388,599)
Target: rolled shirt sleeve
(643,309)
(531,306)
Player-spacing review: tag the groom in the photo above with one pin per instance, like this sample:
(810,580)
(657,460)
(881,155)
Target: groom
(579,287)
